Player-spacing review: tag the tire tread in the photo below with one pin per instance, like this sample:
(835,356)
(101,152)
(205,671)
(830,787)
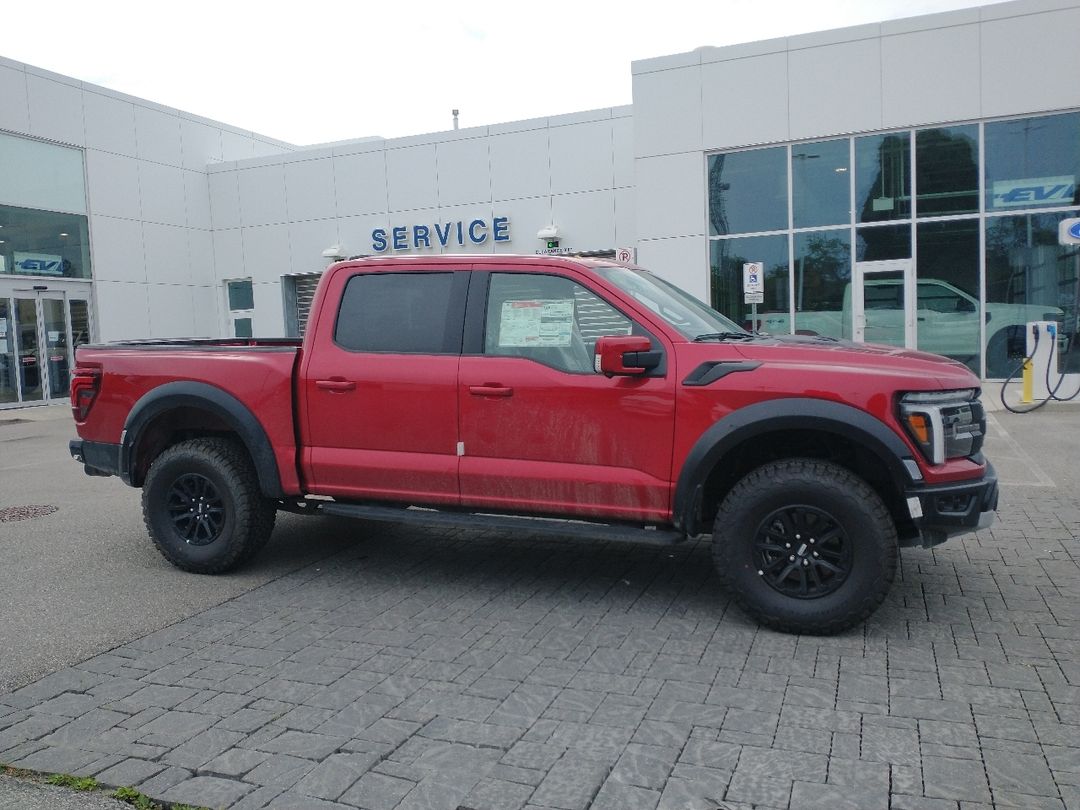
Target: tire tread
(820,473)
(259,514)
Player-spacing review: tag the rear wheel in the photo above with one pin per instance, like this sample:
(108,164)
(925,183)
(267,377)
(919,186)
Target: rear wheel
(805,546)
(203,507)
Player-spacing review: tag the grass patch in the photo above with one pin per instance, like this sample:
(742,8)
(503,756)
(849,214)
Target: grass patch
(137,799)
(73,782)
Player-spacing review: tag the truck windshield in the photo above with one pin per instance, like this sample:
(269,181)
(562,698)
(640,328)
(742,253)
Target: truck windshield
(689,316)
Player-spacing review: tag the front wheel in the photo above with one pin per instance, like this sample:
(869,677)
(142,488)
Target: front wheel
(203,507)
(805,546)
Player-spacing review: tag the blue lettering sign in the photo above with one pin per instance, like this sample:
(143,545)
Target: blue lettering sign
(406,237)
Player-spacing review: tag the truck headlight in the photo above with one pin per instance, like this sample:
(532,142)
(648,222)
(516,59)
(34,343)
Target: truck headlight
(944,424)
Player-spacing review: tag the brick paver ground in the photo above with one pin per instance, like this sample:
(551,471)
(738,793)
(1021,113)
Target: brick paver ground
(445,670)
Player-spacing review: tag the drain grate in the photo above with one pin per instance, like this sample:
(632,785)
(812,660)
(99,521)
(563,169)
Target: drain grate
(11,513)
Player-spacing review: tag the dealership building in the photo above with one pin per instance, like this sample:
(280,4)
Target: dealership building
(900,182)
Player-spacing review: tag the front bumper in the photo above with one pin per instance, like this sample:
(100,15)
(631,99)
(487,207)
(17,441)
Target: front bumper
(946,510)
(97,458)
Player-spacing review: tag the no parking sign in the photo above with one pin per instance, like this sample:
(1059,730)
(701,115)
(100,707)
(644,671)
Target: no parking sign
(753,282)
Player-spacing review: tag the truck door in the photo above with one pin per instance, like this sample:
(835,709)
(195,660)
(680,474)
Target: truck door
(541,430)
(378,386)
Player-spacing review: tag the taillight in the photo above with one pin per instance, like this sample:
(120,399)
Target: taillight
(85,383)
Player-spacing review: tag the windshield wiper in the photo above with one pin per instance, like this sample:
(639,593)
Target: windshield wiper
(724,336)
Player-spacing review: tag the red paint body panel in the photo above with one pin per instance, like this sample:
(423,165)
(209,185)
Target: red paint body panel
(387,426)
(576,444)
(260,377)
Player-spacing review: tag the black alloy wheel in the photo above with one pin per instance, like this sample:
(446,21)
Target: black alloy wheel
(805,545)
(802,551)
(203,506)
(196,508)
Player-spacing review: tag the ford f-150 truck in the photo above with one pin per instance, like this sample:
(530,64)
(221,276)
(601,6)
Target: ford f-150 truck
(503,392)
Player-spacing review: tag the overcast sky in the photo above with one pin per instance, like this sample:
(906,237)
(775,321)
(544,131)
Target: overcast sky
(319,71)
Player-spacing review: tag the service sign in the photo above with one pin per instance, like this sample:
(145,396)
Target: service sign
(38,264)
(441,234)
(1069,231)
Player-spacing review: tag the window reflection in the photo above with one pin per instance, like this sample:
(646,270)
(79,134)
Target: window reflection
(728,257)
(947,295)
(1030,277)
(1033,162)
(821,183)
(748,191)
(947,170)
(822,283)
(883,242)
(883,177)
(43,243)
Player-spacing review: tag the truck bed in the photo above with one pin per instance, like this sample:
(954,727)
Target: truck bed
(257,372)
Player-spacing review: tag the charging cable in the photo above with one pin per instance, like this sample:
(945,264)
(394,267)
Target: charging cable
(1012,376)
(1051,391)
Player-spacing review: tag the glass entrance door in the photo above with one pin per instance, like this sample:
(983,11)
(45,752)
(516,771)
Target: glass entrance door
(39,331)
(883,303)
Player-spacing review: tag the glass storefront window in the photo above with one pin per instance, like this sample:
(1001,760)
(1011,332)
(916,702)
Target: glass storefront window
(883,177)
(947,290)
(883,242)
(1030,277)
(821,183)
(1033,162)
(727,259)
(947,171)
(748,191)
(43,243)
(41,175)
(822,283)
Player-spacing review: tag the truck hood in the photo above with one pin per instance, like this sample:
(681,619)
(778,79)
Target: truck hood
(910,369)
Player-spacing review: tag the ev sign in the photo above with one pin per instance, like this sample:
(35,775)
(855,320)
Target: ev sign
(1069,231)
(753,283)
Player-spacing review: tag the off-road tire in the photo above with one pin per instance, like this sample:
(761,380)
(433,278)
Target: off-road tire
(803,483)
(244,518)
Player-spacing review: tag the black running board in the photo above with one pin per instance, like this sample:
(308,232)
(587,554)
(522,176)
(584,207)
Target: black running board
(531,525)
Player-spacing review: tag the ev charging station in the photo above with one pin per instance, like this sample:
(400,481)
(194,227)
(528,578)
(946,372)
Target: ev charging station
(1041,352)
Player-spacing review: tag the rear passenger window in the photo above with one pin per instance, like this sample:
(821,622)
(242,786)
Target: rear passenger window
(395,312)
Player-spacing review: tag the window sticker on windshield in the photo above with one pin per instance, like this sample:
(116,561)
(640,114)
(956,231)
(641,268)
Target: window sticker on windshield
(536,323)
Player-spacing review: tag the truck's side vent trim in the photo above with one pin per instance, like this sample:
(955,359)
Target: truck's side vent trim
(712,370)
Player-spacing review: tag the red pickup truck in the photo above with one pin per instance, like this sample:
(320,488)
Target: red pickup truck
(495,390)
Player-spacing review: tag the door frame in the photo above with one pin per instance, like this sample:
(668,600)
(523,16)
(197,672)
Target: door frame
(858,298)
(65,294)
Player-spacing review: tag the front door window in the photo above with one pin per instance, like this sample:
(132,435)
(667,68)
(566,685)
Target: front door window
(883,305)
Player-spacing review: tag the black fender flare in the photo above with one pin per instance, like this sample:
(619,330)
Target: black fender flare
(206,397)
(793,413)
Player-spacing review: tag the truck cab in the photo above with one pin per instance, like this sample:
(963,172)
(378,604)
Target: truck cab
(550,394)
